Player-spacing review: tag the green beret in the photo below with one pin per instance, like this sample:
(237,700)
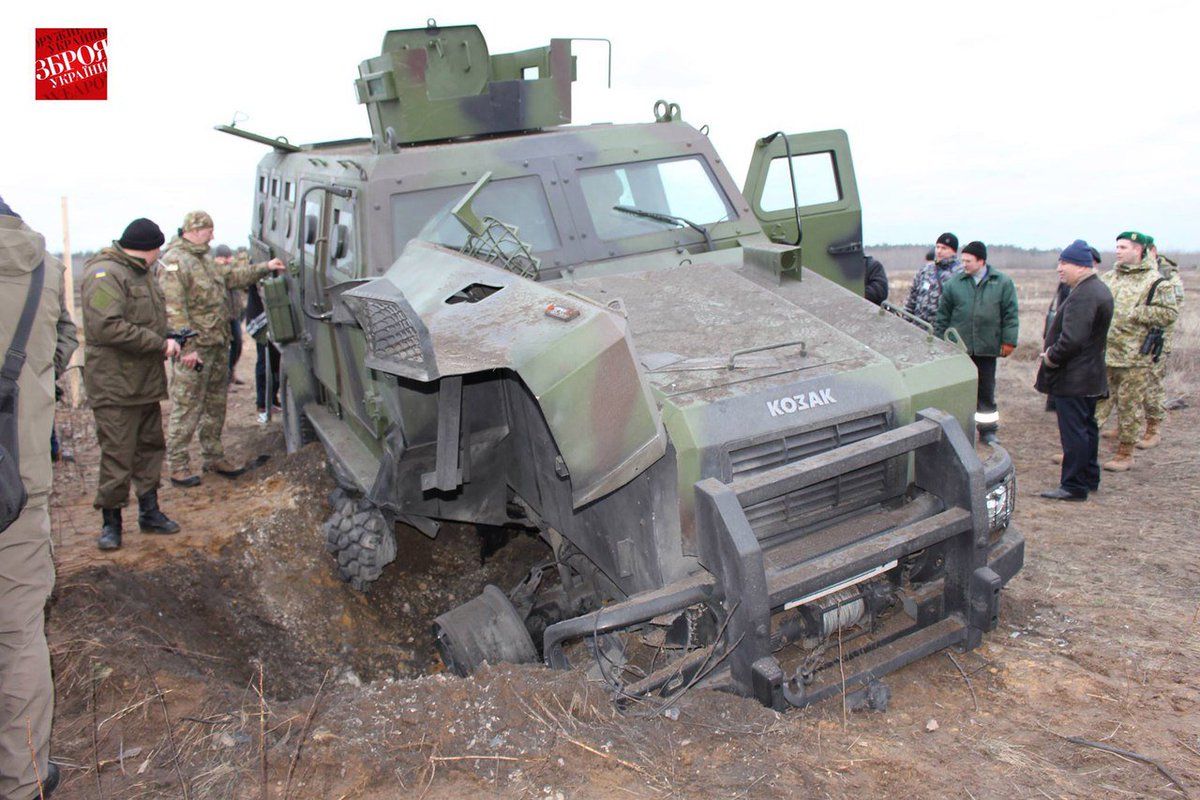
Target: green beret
(1137,238)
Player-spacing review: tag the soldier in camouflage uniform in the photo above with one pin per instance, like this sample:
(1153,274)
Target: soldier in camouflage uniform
(1129,281)
(1156,401)
(926,290)
(197,292)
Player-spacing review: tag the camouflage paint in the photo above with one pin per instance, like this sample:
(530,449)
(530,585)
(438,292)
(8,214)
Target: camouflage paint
(596,379)
(832,242)
(437,83)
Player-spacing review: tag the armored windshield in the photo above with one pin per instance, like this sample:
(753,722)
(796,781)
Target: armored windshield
(679,187)
(521,202)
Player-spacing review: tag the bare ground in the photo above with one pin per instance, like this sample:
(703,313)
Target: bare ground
(159,651)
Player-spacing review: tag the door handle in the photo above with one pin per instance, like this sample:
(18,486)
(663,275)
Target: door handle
(843,249)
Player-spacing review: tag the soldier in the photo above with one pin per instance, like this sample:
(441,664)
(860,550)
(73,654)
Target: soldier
(197,290)
(223,257)
(980,303)
(926,288)
(1136,311)
(26,564)
(125,327)
(1156,401)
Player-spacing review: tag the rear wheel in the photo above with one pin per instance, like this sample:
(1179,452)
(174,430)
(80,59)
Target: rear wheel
(360,538)
(297,430)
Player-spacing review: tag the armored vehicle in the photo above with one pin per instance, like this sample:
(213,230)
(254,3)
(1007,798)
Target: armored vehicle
(592,332)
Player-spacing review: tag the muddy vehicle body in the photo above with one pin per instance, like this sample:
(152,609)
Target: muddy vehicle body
(733,457)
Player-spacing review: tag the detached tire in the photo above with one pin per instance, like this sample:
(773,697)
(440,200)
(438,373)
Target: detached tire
(297,430)
(361,539)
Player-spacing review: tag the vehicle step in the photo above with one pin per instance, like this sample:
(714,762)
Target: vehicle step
(788,583)
(823,466)
(355,458)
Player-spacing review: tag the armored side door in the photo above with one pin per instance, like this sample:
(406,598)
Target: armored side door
(825,196)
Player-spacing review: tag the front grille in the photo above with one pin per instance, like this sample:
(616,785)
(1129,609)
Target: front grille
(389,333)
(837,495)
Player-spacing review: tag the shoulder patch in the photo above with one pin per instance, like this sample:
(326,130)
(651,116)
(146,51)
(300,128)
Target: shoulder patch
(101,274)
(171,267)
(101,299)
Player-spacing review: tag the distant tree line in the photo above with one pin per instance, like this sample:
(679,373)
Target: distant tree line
(909,257)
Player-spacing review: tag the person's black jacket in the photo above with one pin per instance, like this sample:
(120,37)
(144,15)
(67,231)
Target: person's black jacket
(876,289)
(1074,345)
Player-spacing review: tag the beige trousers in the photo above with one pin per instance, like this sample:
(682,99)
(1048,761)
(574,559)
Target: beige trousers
(26,688)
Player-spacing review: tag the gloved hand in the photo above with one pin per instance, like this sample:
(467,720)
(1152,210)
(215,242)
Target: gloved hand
(1006,350)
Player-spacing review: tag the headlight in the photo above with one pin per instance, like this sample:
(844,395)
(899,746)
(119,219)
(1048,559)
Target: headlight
(1001,500)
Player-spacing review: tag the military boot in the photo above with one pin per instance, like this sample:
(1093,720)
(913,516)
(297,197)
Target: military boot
(1152,438)
(110,533)
(151,519)
(183,478)
(1123,460)
(224,468)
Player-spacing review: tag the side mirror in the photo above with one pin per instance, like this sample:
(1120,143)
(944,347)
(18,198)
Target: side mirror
(338,242)
(310,229)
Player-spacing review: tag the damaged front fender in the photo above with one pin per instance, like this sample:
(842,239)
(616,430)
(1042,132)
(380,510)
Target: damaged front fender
(437,313)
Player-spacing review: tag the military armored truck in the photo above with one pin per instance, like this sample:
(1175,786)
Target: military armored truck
(591,332)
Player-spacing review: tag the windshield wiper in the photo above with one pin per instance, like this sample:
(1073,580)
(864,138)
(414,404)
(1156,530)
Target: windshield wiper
(668,220)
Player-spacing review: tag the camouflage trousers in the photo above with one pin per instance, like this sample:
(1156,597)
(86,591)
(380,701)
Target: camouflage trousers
(198,402)
(1127,395)
(1156,398)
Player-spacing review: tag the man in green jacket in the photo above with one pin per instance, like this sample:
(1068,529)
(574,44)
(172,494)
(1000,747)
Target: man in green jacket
(980,303)
(125,333)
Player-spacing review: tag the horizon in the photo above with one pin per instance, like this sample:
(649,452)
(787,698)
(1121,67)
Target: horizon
(1033,151)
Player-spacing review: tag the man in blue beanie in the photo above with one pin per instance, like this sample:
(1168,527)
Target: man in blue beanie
(1072,370)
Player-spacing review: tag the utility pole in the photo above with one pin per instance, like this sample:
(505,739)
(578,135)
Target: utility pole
(76,362)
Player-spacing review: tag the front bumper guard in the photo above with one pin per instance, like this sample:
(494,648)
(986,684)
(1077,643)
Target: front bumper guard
(753,582)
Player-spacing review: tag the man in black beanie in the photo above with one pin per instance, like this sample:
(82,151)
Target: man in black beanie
(926,289)
(125,323)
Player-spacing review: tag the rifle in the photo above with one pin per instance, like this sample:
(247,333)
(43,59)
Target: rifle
(183,336)
(1152,345)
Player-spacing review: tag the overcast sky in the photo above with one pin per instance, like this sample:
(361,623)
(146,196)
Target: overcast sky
(1030,123)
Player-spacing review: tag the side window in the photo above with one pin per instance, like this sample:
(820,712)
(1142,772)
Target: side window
(342,244)
(310,224)
(816,182)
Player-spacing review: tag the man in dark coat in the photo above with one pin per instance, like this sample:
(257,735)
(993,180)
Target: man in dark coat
(875,281)
(1072,370)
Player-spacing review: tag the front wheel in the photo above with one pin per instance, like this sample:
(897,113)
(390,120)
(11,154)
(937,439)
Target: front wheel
(361,538)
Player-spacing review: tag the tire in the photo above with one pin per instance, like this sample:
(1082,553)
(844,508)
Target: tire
(361,539)
(297,430)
